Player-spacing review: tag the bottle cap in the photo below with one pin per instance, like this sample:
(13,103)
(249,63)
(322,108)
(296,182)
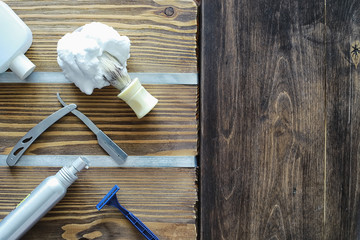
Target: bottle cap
(22,66)
(80,163)
(68,174)
(140,100)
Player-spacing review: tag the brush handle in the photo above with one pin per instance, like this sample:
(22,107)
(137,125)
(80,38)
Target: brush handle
(144,230)
(138,98)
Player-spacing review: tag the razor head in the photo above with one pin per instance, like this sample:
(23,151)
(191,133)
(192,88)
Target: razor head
(110,195)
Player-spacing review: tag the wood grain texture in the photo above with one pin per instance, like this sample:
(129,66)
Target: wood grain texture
(163,199)
(262,117)
(162,33)
(169,129)
(343,121)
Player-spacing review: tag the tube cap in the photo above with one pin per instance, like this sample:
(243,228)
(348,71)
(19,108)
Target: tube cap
(80,163)
(22,66)
(140,100)
(68,174)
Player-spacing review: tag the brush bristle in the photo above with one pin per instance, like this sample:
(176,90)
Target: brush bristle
(114,72)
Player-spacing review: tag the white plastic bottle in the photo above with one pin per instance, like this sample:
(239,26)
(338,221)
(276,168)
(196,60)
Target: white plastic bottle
(43,198)
(15,40)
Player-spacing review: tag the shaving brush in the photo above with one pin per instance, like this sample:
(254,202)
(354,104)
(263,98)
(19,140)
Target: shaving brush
(131,91)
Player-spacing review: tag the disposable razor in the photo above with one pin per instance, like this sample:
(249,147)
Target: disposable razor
(111,200)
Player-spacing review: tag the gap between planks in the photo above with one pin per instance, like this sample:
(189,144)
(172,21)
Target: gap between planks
(145,78)
(105,161)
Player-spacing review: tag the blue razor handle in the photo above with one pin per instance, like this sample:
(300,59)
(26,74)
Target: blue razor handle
(111,200)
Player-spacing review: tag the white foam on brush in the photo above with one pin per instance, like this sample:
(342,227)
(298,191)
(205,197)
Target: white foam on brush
(78,54)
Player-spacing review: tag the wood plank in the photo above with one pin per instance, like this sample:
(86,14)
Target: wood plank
(343,121)
(169,129)
(164,38)
(262,120)
(162,33)
(163,199)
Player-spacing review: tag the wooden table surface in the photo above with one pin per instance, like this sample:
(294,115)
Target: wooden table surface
(278,139)
(163,35)
(279,117)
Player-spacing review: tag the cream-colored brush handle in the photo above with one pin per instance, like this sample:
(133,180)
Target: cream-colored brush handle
(138,98)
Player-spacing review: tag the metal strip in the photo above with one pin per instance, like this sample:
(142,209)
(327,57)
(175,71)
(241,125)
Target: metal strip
(145,78)
(104,161)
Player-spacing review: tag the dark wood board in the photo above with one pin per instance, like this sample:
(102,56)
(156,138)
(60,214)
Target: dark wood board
(343,120)
(262,118)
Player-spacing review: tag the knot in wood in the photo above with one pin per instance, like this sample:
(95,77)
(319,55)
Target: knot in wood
(169,11)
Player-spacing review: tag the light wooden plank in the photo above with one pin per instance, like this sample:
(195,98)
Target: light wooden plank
(164,39)
(170,129)
(164,199)
(162,33)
